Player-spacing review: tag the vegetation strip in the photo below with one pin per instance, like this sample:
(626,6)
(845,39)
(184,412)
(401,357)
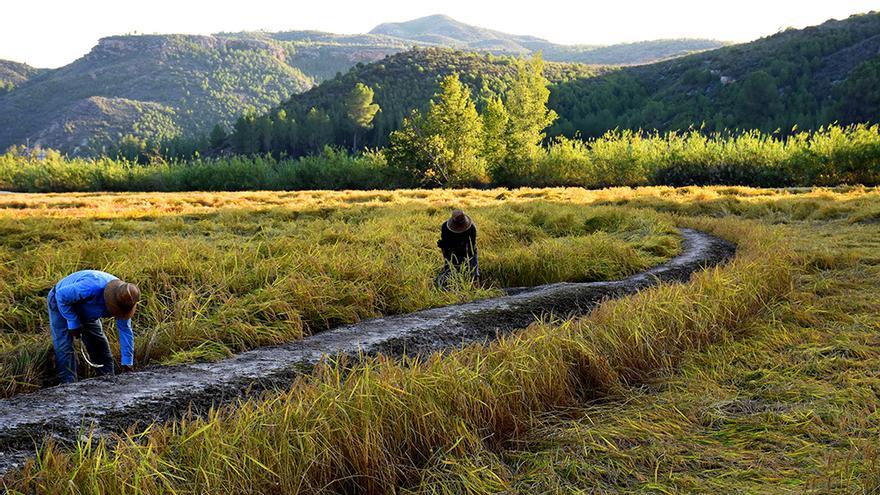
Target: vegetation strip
(166,392)
(828,156)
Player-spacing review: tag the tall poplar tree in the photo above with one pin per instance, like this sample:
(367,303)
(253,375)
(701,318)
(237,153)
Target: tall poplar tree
(495,120)
(453,117)
(528,118)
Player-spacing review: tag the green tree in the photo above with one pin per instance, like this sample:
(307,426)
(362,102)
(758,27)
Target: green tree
(453,117)
(361,110)
(528,118)
(132,148)
(218,137)
(317,130)
(284,138)
(417,155)
(444,147)
(495,120)
(245,138)
(265,133)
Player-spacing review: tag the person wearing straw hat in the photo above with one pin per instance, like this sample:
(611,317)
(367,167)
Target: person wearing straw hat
(458,242)
(76,305)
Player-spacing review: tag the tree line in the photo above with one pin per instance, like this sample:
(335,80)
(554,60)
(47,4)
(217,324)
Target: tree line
(829,156)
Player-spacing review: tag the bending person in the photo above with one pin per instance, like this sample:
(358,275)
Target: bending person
(458,242)
(76,305)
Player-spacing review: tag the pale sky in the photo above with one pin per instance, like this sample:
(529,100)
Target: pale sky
(47,33)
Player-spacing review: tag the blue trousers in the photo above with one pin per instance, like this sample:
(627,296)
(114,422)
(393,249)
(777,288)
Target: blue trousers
(92,337)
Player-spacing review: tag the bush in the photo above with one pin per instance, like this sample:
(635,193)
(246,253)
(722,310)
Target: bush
(830,156)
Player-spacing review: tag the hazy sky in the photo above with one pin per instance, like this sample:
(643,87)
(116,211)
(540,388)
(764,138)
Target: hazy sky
(52,33)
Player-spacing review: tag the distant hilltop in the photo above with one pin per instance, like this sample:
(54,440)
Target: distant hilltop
(445,31)
(14,73)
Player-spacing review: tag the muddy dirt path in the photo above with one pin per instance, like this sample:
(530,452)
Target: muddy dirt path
(161,393)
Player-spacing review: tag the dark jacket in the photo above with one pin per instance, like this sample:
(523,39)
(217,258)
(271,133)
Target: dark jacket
(458,247)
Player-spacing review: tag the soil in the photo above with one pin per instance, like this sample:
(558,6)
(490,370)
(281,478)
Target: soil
(104,405)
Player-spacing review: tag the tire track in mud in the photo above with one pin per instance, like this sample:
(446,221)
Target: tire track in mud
(105,405)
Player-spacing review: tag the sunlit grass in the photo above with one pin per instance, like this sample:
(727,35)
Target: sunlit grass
(373,427)
(234,271)
(756,377)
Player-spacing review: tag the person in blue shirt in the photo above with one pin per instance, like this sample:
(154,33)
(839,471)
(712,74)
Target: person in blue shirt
(76,305)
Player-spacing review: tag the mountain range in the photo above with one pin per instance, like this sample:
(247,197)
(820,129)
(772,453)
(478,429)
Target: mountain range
(162,86)
(807,78)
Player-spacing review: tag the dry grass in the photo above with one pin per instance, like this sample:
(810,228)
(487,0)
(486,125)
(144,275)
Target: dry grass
(755,377)
(229,272)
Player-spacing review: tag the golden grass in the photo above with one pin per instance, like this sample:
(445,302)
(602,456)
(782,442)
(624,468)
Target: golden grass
(229,272)
(372,428)
(798,203)
(758,376)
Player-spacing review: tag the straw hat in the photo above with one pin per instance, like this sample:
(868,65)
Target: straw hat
(121,298)
(459,222)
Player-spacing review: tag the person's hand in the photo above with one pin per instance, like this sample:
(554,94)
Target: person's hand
(127,368)
(76,333)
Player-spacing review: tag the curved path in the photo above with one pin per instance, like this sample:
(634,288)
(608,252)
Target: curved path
(160,393)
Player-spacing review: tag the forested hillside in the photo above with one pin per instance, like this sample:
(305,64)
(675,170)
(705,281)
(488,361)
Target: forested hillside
(189,82)
(810,77)
(156,87)
(640,52)
(322,55)
(159,88)
(807,78)
(400,83)
(445,31)
(13,74)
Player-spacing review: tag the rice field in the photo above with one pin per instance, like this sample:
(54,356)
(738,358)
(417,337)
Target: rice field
(223,273)
(759,376)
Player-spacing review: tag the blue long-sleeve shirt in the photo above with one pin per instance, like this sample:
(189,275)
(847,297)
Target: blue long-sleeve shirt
(81,295)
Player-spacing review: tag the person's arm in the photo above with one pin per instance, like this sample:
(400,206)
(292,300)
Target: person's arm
(443,249)
(67,297)
(472,241)
(126,342)
(443,243)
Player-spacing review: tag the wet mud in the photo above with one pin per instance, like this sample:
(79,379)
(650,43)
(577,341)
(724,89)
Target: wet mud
(104,405)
